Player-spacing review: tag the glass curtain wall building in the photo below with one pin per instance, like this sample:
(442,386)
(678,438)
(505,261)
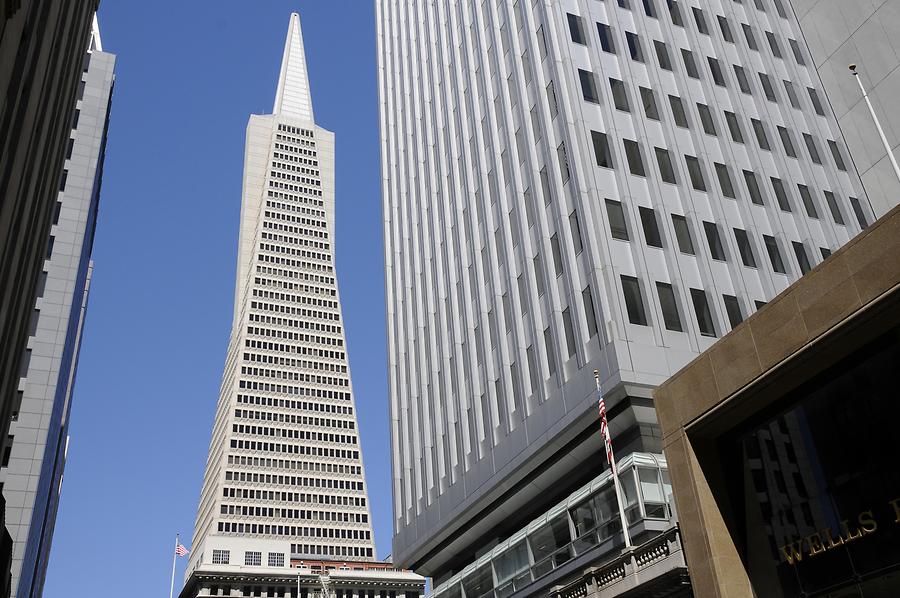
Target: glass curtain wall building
(570,186)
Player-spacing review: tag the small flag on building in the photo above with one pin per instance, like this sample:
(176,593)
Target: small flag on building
(180,550)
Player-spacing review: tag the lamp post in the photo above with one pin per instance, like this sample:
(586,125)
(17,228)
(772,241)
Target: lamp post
(884,140)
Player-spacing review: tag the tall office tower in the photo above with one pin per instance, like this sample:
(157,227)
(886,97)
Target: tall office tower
(42,46)
(34,458)
(570,186)
(284,475)
(863,33)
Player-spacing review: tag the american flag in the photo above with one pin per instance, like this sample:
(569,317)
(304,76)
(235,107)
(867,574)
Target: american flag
(604,428)
(180,550)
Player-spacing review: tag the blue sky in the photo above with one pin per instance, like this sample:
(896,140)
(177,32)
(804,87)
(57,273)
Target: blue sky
(188,76)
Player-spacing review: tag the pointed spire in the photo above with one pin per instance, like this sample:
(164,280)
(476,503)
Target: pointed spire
(292,97)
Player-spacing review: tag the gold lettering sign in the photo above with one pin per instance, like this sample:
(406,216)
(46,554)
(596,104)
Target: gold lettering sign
(824,540)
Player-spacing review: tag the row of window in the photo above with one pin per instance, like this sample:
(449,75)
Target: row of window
(262,462)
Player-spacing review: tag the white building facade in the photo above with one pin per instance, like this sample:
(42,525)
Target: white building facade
(576,185)
(284,463)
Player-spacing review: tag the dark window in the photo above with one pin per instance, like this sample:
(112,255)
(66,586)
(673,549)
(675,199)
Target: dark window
(744,248)
(634,46)
(814,98)
(725,28)
(588,86)
(761,136)
(798,54)
(733,309)
(759,304)
(669,306)
(607,43)
(860,214)
(590,313)
(781,195)
(826,253)
(706,119)
(650,226)
(633,155)
(678,111)
(743,82)
(650,108)
(575,228)
(725,180)
(683,234)
(751,39)
(617,226)
(808,202)
(557,255)
(548,346)
(716,70)
(662,55)
(792,95)
(767,87)
(575,29)
(696,173)
(780,8)
(834,208)
(675,12)
(701,309)
(666,171)
(62,180)
(650,8)
(836,154)
(689,65)
(811,148)
(601,149)
(734,127)
(774,254)
(773,44)
(569,331)
(787,142)
(753,187)
(802,258)
(700,20)
(634,304)
(715,242)
(620,98)
(626,4)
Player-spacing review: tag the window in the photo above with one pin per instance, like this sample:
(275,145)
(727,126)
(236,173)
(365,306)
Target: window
(590,314)
(545,186)
(787,142)
(716,250)
(626,4)
(683,234)
(791,94)
(678,111)
(701,309)
(780,8)
(650,108)
(781,194)
(798,55)
(576,232)
(858,211)
(675,13)
(276,559)
(725,28)
(709,126)
(774,254)
(665,165)
(695,172)
(650,8)
(689,65)
(634,304)
(551,100)
(557,255)
(808,203)
(733,309)
(802,258)
(221,557)
(548,345)
(588,86)
(253,558)
(744,248)
(836,154)
(633,155)
(669,306)
(538,265)
(700,20)
(751,40)
(773,44)
(734,127)
(607,43)
(716,70)
(576,30)
(743,82)
(761,136)
(601,149)
(833,207)
(662,55)
(767,87)
(634,46)
(617,226)
(814,98)
(826,253)
(753,187)
(563,162)
(725,180)
(620,98)
(650,226)
(811,148)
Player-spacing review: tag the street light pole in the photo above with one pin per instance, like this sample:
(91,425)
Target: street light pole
(884,140)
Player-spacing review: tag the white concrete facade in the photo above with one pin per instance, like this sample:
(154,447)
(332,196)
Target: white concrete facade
(284,462)
(570,186)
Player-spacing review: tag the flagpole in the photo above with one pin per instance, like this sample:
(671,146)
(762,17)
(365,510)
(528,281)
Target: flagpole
(174,556)
(615,471)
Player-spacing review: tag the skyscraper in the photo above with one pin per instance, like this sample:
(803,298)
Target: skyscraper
(571,186)
(284,489)
(34,459)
